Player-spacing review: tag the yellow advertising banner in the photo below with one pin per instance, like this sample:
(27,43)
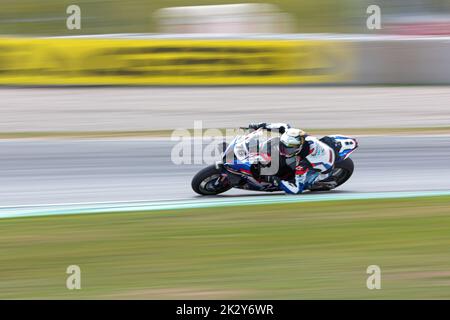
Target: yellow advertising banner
(89,61)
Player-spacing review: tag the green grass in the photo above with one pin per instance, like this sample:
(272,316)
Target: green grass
(295,251)
(48,17)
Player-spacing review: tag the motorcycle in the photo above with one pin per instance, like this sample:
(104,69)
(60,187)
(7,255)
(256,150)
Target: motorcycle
(255,156)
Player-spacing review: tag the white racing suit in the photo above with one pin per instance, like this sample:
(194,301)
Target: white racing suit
(314,163)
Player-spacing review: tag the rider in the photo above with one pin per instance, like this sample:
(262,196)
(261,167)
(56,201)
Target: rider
(314,158)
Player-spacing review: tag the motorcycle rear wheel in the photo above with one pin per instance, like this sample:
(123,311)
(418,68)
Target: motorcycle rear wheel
(342,171)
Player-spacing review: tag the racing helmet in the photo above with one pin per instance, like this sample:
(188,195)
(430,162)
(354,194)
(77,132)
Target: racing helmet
(291,142)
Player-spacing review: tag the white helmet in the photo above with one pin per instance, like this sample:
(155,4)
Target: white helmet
(291,142)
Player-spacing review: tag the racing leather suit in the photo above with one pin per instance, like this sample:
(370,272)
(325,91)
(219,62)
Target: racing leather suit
(314,162)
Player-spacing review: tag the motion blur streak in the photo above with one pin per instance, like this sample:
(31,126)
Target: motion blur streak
(131,109)
(73,171)
(85,61)
(46,17)
(325,68)
(148,206)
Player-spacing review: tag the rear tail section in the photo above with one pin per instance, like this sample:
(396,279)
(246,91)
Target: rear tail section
(342,145)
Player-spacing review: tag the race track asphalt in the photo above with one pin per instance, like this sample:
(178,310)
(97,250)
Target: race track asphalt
(114,109)
(36,172)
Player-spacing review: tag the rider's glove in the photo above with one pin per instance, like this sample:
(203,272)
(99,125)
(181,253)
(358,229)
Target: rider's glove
(277,126)
(256,126)
(282,129)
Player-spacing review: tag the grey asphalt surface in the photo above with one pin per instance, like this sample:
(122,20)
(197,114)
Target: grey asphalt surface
(152,108)
(74,171)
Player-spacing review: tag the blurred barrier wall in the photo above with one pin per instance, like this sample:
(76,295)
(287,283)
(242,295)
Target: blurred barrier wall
(210,61)
(401,61)
(87,61)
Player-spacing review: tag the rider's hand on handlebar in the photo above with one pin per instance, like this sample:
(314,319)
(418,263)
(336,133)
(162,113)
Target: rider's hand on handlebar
(256,126)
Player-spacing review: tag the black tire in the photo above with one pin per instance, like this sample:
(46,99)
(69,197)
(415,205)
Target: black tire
(348,166)
(198,182)
(345,168)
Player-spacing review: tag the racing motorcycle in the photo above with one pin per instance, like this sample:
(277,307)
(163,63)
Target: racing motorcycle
(255,155)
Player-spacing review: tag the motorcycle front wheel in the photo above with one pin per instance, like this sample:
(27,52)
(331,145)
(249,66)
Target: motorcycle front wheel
(209,181)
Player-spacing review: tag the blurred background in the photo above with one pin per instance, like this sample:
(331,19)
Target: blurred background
(313,42)
(86,116)
(29,17)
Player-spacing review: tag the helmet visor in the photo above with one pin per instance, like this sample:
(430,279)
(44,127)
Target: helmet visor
(288,151)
